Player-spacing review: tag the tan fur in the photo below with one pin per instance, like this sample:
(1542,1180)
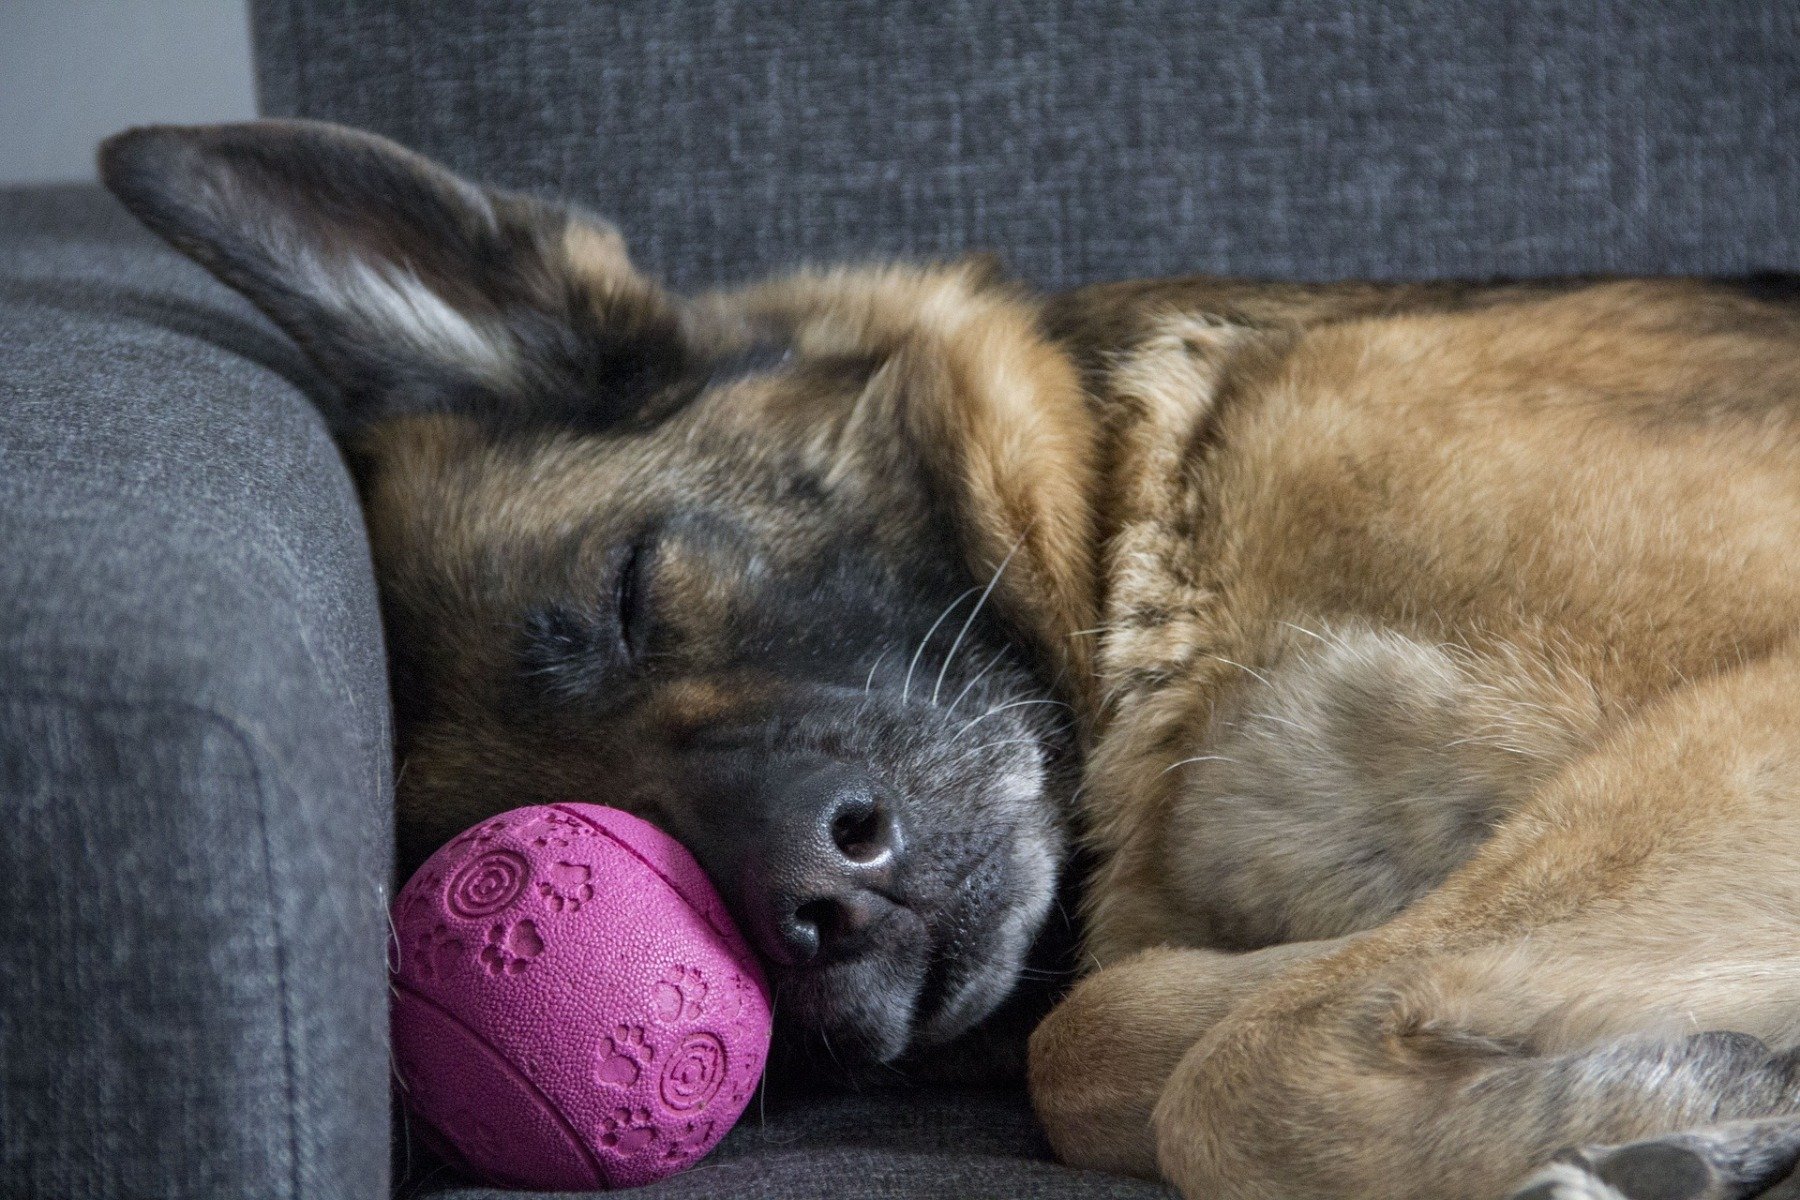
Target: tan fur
(1373,561)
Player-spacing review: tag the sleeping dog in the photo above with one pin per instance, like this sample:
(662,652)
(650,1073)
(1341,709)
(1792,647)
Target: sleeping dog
(1415,664)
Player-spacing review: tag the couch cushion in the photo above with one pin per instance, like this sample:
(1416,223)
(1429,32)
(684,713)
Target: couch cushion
(883,1145)
(1298,139)
(194,746)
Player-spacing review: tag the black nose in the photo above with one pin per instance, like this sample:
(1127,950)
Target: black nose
(831,845)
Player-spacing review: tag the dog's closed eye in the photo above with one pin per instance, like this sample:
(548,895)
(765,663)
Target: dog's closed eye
(589,651)
(632,598)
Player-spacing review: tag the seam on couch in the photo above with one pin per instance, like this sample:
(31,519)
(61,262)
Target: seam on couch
(281,974)
(255,754)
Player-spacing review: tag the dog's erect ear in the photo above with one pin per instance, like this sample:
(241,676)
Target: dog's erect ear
(970,391)
(412,289)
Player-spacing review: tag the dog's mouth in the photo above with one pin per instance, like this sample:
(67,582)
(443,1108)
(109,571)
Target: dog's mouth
(930,973)
(975,962)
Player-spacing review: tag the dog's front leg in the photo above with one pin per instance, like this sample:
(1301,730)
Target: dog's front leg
(1615,966)
(1101,1059)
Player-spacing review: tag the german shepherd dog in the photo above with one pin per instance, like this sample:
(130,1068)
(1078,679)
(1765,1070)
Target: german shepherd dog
(1417,665)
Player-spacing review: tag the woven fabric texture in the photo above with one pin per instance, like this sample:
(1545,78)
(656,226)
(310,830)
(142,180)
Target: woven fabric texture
(194,748)
(1279,138)
(935,1144)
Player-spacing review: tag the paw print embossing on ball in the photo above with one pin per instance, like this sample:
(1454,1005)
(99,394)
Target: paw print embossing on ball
(623,1062)
(688,1141)
(681,995)
(728,1001)
(511,948)
(419,903)
(627,1130)
(567,886)
(555,831)
(437,952)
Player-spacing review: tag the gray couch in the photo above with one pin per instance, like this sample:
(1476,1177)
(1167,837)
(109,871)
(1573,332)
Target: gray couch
(194,753)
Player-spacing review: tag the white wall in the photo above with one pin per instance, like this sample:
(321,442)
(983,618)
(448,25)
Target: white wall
(73,71)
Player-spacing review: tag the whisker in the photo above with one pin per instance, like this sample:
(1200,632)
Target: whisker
(906,688)
(870,681)
(979,676)
(1240,666)
(1002,708)
(762,1085)
(397,957)
(966,755)
(1197,758)
(1281,720)
(973,613)
(836,1061)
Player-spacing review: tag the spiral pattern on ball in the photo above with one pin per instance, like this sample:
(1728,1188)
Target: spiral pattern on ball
(488,884)
(694,1073)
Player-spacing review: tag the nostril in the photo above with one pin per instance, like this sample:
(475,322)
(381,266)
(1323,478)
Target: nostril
(863,831)
(833,928)
(824,866)
(802,935)
(820,922)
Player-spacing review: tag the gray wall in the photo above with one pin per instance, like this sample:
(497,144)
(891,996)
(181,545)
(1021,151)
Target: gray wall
(73,71)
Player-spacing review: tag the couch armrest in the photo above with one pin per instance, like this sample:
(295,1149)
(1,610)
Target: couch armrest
(194,747)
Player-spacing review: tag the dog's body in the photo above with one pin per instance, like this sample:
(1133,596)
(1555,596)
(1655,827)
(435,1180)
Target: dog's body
(1463,619)
(1430,654)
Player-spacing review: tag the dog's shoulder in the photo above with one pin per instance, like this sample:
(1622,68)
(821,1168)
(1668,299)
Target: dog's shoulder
(1591,480)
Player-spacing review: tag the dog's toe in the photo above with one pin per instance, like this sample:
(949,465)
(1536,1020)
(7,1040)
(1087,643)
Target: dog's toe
(1659,1171)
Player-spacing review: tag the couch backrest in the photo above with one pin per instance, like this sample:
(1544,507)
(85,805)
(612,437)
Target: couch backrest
(1288,138)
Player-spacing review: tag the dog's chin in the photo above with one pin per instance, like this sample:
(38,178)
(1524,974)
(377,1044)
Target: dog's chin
(978,985)
(857,1011)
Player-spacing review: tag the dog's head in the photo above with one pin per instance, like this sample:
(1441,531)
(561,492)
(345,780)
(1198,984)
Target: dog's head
(790,571)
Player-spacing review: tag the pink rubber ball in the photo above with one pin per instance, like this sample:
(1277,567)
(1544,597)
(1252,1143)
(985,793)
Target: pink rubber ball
(572,1006)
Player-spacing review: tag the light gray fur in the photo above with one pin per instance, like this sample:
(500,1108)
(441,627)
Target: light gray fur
(1346,775)
(394,305)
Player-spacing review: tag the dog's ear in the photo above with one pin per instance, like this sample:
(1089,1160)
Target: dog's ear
(412,289)
(968,393)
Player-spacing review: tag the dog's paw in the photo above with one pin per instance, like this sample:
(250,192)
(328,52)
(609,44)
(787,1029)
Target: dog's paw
(511,948)
(1651,1170)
